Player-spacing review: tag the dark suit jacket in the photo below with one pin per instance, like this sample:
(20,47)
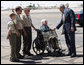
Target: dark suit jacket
(68,22)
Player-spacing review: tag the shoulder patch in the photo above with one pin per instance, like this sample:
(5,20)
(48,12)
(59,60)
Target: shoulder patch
(10,23)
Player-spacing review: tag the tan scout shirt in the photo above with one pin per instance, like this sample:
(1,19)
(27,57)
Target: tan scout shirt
(27,20)
(11,26)
(19,22)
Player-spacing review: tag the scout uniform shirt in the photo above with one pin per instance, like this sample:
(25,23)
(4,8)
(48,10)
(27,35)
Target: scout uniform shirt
(19,22)
(11,26)
(27,20)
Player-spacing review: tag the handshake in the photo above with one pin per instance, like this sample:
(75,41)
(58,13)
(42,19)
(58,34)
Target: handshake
(53,29)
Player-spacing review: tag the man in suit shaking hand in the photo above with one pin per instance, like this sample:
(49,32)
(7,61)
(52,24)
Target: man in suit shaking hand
(69,28)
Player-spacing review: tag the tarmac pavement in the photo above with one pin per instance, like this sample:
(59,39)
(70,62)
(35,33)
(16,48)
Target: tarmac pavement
(53,19)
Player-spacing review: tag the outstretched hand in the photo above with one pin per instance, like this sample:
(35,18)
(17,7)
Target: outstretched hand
(54,29)
(35,29)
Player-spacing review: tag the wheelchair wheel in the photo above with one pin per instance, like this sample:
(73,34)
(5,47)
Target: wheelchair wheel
(49,47)
(54,43)
(37,47)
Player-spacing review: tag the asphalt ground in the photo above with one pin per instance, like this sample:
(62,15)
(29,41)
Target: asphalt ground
(53,19)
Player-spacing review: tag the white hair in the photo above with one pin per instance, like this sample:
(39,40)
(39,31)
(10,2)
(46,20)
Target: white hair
(43,20)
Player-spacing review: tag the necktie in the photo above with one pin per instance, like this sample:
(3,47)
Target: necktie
(63,18)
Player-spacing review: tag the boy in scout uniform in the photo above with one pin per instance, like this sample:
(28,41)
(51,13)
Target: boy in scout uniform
(19,25)
(27,26)
(12,36)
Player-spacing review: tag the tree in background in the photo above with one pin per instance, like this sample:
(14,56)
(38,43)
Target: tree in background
(31,6)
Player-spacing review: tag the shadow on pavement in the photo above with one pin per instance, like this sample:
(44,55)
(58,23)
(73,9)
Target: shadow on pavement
(28,62)
(37,57)
(44,56)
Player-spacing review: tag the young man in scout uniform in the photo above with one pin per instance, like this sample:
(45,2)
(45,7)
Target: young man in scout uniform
(19,25)
(27,26)
(12,36)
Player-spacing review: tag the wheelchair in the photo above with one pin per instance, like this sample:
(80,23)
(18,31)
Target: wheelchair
(47,40)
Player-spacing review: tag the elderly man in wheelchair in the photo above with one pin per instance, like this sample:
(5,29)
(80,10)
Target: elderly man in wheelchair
(46,39)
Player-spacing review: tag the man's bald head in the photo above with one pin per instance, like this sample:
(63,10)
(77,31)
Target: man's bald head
(67,5)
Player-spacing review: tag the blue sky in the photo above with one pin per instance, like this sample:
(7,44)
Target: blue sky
(13,4)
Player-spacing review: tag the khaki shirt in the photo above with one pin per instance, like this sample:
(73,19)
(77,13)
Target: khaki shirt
(19,22)
(27,21)
(11,26)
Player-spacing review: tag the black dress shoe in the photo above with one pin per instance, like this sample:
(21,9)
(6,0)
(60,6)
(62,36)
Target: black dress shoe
(73,55)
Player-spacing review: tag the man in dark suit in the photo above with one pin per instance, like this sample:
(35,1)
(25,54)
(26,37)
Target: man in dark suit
(69,28)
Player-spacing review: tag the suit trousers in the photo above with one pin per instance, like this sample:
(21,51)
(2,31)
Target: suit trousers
(70,41)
